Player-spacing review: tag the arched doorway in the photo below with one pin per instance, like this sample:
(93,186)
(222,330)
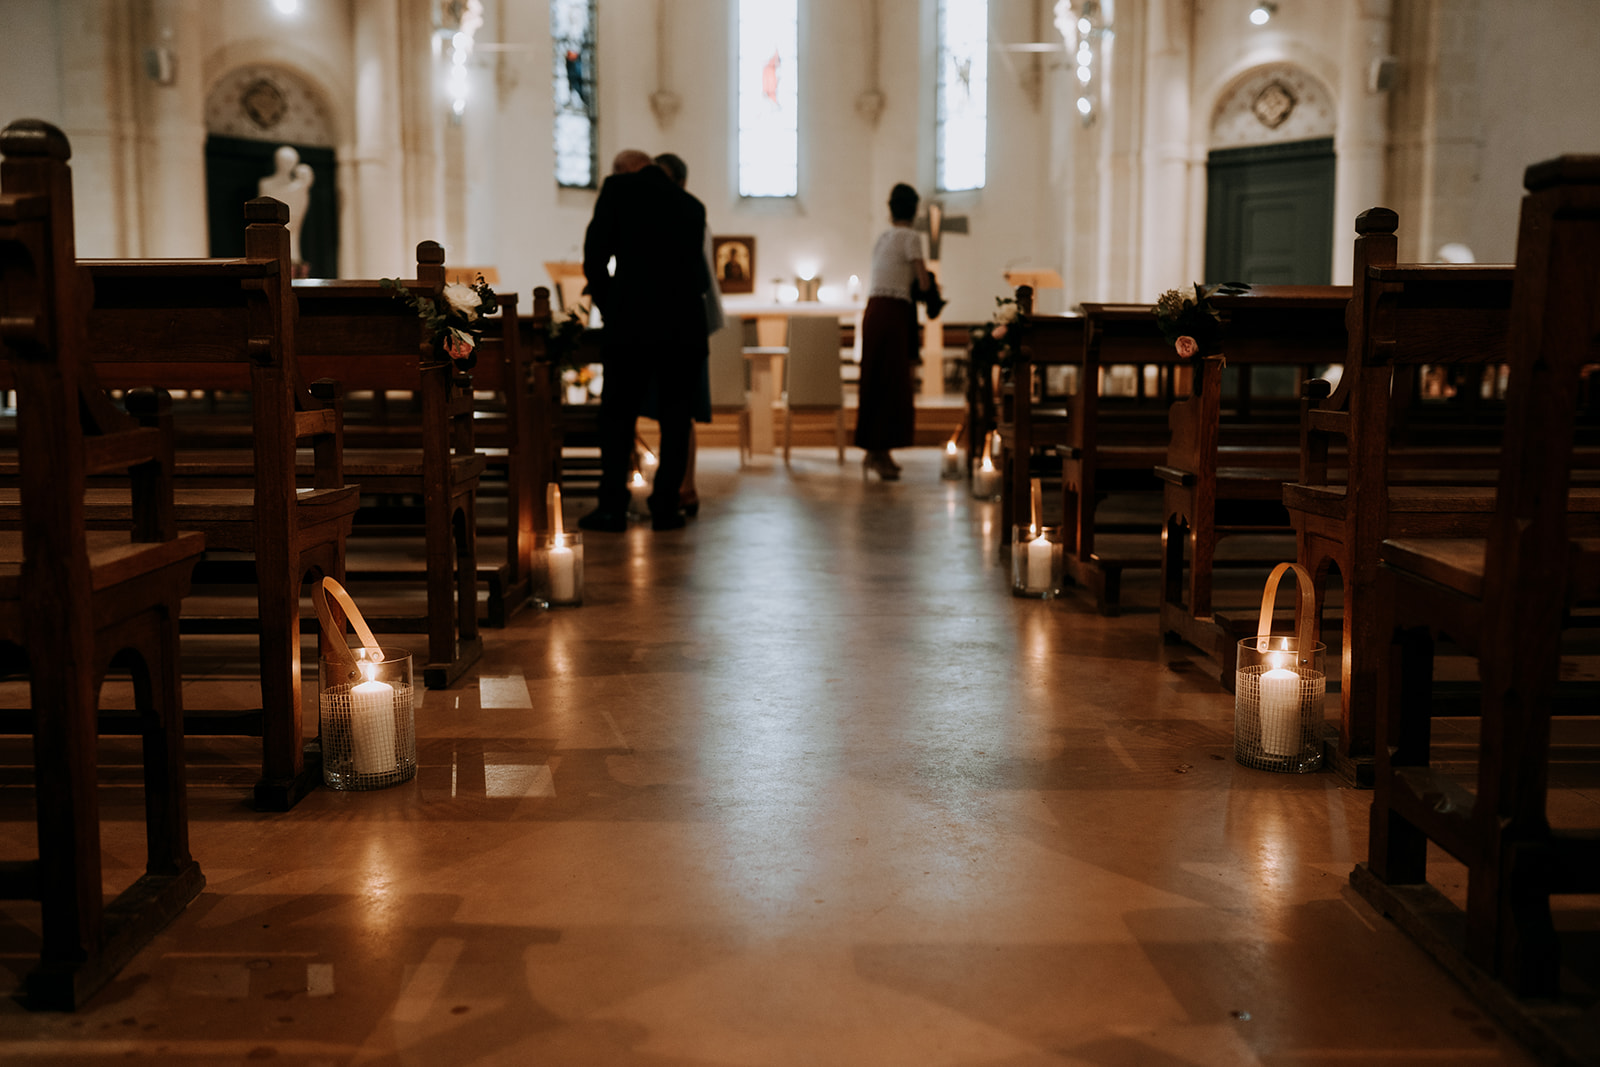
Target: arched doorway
(1270,181)
(251,112)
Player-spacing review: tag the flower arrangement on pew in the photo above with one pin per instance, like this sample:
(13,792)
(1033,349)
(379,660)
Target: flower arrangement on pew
(998,342)
(452,322)
(1189,322)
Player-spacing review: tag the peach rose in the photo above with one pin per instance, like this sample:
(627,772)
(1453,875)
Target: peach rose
(457,345)
(998,333)
(1186,346)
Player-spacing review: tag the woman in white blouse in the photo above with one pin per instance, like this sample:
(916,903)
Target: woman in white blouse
(886,416)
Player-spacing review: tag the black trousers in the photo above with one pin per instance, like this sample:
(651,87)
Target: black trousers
(626,382)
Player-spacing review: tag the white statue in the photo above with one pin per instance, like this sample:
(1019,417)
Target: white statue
(290,183)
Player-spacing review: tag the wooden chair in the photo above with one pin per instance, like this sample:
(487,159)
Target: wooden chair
(355,331)
(1504,599)
(75,603)
(728,386)
(812,383)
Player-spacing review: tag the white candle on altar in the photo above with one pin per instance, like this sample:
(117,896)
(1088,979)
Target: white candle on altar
(1038,564)
(372,724)
(1280,712)
(563,571)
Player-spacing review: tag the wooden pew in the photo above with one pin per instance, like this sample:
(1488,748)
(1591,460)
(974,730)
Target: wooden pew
(75,603)
(230,325)
(1397,318)
(1113,444)
(1030,426)
(357,332)
(1225,477)
(511,430)
(1505,599)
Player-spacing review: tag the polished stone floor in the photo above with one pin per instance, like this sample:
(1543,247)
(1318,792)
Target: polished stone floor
(800,784)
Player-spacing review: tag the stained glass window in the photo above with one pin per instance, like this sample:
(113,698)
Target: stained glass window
(572,32)
(769,96)
(963,94)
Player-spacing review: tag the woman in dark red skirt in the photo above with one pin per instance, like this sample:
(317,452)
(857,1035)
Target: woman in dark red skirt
(886,416)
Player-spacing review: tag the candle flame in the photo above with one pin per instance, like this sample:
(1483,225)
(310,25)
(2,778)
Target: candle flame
(369,671)
(986,465)
(638,480)
(950,448)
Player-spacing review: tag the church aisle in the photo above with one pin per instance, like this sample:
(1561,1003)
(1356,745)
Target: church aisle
(801,784)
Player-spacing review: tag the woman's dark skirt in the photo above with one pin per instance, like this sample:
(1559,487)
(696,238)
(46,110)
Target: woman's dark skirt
(886,417)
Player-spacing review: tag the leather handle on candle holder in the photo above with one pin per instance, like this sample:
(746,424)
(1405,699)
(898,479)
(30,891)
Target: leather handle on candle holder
(1307,608)
(319,596)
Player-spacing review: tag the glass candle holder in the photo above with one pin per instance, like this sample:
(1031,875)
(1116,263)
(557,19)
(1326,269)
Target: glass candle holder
(558,568)
(950,467)
(1037,561)
(369,737)
(1278,697)
(986,482)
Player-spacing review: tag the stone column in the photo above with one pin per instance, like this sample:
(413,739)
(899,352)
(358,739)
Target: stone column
(1164,254)
(171,135)
(1362,140)
(375,170)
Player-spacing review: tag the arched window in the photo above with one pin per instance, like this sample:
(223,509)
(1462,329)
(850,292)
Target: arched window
(963,95)
(572,34)
(769,97)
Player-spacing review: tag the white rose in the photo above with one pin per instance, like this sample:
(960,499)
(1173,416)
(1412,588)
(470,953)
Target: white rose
(1006,313)
(462,298)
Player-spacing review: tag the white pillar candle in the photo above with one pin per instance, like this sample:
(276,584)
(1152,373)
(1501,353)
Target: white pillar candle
(952,460)
(985,480)
(563,573)
(577,394)
(1280,712)
(1038,565)
(372,725)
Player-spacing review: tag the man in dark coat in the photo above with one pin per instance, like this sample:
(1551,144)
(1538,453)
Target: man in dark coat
(654,326)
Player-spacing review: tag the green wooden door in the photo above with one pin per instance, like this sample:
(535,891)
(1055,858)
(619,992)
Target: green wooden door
(234,166)
(1269,214)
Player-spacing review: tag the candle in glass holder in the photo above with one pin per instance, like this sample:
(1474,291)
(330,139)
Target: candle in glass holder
(1280,712)
(372,724)
(985,480)
(563,565)
(952,461)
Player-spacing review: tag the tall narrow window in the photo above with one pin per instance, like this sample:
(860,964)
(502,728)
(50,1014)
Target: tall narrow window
(572,31)
(963,94)
(769,97)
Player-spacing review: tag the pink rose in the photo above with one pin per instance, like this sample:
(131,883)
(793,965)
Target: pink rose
(999,332)
(457,346)
(1186,346)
